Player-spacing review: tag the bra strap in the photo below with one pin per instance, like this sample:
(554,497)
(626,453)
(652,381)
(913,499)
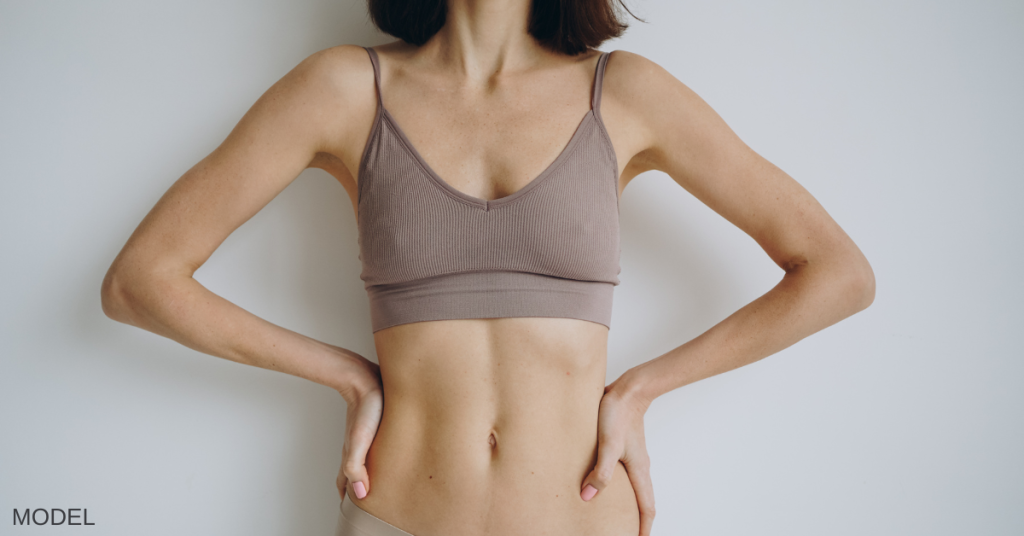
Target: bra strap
(376,71)
(595,103)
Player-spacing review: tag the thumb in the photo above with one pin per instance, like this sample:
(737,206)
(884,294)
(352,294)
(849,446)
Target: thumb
(355,474)
(354,467)
(601,476)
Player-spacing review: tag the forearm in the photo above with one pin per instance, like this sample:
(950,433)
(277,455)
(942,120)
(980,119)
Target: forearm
(805,301)
(180,308)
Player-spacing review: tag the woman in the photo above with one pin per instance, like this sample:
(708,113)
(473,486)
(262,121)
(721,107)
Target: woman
(490,249)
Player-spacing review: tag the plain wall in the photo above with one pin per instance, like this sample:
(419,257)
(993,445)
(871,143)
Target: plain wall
(904,118)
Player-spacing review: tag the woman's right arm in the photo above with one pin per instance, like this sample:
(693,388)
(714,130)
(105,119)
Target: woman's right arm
(317,107)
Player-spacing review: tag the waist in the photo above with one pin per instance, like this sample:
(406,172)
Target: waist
(490,427)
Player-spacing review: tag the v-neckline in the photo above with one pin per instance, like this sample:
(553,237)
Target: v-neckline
(488,204)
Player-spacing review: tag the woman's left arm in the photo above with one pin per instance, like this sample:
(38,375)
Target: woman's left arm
(826,279)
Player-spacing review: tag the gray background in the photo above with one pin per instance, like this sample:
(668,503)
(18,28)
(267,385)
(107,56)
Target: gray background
(904,118)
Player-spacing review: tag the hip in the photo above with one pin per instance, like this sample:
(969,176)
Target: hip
(516,499)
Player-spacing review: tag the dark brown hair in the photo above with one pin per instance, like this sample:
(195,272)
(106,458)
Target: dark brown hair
(567,26)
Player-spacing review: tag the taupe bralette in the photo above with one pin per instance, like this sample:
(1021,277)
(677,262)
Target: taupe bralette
(431,252)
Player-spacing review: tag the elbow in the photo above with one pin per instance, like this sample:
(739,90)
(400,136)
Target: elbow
(115,296)
(133,292)
(859,285)
(869,288)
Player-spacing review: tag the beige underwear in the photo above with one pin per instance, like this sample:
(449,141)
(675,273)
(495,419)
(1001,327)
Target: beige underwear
(354,521)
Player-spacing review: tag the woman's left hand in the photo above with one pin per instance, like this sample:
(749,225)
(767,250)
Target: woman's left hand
(620,436)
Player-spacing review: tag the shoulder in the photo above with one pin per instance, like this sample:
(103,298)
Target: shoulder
(342,70)
(662,111)
(333,83)
(630,76)
(324,104)
(630,61)
(326,80)
(638,97)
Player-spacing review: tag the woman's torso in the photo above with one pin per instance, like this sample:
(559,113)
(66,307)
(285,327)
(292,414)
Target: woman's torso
(490,424)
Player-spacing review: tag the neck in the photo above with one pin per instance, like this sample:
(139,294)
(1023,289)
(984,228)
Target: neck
(484,38)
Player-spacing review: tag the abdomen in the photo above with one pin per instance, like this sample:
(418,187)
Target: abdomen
(490,427)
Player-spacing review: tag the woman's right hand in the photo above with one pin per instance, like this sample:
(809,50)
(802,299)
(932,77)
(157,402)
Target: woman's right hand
(364,396)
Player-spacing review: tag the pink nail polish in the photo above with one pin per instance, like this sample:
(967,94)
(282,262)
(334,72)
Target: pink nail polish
(588,492)
(360,490)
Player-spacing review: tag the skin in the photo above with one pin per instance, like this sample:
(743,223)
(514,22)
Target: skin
(487,419)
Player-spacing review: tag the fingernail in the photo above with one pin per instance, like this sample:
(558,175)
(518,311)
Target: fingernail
(360,490)
(588,492)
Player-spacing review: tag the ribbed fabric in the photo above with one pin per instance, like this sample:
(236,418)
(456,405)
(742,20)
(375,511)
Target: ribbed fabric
(431,252)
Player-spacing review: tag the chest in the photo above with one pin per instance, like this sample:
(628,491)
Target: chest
(414,224)
(488,155)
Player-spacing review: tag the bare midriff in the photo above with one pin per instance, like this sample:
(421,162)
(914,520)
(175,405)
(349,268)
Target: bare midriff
(490,426)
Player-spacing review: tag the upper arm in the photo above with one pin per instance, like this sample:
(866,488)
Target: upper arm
(277,138)
(686,139)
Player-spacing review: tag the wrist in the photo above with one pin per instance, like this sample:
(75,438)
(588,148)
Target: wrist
(633,388)
(357,378)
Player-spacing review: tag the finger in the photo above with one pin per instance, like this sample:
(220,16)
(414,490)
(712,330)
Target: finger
(342,480)
(342,485)
(354,467)
(639,473)
(355,474)
(607,456)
